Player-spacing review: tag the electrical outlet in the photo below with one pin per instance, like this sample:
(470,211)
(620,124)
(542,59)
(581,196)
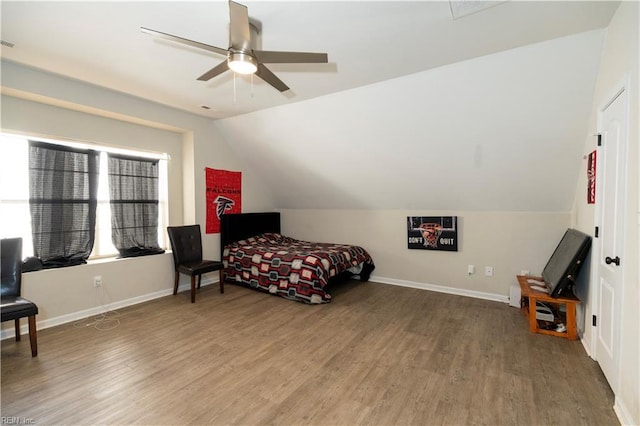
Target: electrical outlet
(471,269)
(488,271)
(97,281)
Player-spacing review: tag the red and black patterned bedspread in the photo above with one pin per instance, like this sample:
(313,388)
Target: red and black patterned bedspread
(294,269)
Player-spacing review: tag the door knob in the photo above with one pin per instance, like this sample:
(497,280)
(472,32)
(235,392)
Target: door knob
(609,260)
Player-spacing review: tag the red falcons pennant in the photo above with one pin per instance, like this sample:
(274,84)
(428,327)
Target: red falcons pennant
(224,195)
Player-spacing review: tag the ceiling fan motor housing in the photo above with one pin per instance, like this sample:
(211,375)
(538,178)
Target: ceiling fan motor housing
(242,62)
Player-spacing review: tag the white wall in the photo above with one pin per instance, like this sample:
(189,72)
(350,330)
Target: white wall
(19,115)
(495,140)
(49,105)
(620,61)
(500,132)
(67,294)
(508,241)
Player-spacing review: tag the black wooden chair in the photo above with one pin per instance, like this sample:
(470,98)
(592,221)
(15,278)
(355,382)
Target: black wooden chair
(186,244)
(12,306)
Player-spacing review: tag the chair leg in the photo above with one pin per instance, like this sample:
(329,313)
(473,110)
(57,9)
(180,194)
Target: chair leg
(33,335)
(199,280)
(17,322)
(193,289)
(175,285)
(221,280)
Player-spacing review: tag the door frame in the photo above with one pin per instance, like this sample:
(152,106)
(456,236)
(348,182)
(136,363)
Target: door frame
(594,302)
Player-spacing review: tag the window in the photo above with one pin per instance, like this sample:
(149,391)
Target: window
(14,193)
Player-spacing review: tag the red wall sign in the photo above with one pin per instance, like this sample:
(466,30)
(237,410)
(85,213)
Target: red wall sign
(224,195)
(591,178)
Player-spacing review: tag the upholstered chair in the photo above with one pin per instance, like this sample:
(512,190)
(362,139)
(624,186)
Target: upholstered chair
(13,306)
(186,244)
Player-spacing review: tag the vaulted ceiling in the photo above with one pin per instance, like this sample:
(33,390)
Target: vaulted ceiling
(500,132)
(367,42)
(414,110)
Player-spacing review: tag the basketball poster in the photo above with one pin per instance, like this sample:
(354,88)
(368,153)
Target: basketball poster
(432,233)
(224,195)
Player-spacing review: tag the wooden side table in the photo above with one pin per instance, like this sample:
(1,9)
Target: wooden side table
(532,296)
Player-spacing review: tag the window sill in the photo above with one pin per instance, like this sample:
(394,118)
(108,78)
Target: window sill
(100,261)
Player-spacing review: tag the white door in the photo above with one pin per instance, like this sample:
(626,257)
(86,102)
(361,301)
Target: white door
(609,254)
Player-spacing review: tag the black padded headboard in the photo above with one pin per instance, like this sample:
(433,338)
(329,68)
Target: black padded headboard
(238,226)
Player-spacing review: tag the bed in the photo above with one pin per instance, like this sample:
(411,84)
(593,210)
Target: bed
(255,254)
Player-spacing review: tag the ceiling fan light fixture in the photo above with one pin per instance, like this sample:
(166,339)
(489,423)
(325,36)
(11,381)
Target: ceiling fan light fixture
(242,63)
(241,57)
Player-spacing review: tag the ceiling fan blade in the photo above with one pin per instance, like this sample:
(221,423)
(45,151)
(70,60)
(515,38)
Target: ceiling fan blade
(188,42)
(239,32)
(217,70)
(266,74)
(274,57)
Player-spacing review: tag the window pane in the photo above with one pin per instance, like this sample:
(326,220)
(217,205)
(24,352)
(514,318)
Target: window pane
(16,222)
(103,245)
(14,191)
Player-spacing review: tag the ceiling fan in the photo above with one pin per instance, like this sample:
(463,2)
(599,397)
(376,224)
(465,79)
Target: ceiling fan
(242,58)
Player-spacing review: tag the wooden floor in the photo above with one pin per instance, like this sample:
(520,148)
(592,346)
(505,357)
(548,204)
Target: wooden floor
(378,354)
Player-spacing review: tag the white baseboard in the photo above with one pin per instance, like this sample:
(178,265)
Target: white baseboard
(623,413)
(75,316)
(586,345)
(442,289)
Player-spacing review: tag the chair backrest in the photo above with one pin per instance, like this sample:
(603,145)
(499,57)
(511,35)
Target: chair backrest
(11,266)
(186,243)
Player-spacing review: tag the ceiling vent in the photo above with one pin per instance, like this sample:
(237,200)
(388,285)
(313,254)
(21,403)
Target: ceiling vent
(6,43)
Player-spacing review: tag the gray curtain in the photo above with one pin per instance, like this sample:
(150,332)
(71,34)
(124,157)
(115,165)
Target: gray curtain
(63,188)
(133,193)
